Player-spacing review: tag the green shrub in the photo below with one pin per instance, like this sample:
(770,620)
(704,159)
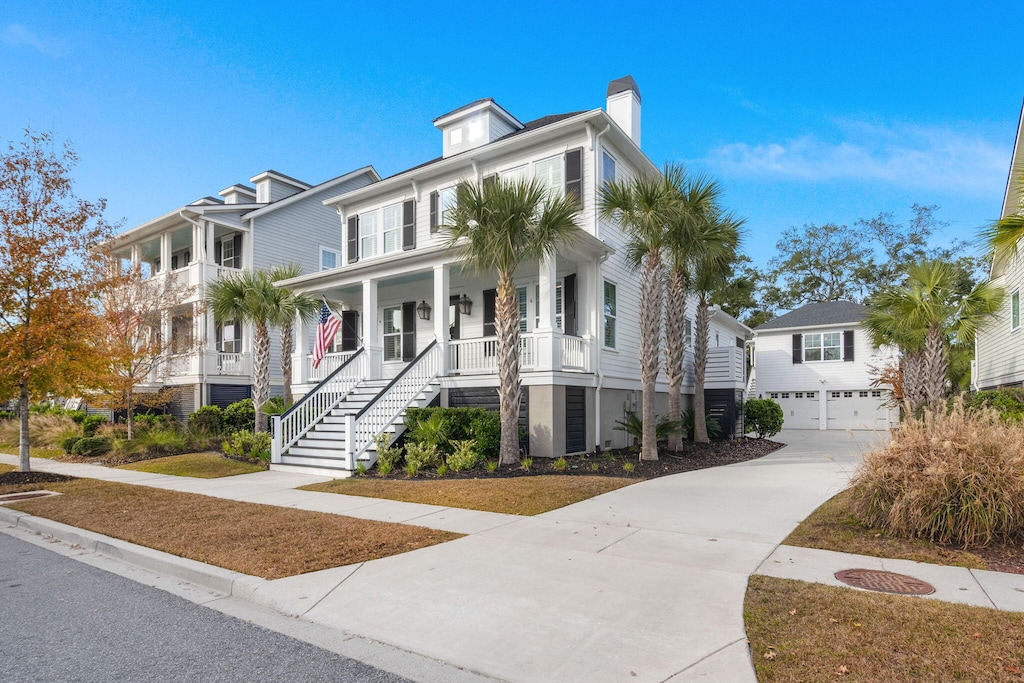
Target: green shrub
(422,456)
(240,416)
(161,441)
(208,420)
(160,421)
(763,417)
(1009,403)
(464,456)
(7,415)
(633,425)
(275,405)
(77,416)
(388,454)
(442,469)
(245,445)
(91,423)
(67,444)
(491,466)
(526,463)
(712,425)
(485,429)
(92,446)
(412,469)
(951,476)
(40,408)
(455,424)
(560,464)
(432,429)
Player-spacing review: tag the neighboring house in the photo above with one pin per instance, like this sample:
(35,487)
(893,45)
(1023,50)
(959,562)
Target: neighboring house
(815,362)
(999,344)
(419,328)
(279,220)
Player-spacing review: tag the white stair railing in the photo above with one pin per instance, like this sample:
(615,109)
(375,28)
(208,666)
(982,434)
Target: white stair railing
(387,406)
(293,424)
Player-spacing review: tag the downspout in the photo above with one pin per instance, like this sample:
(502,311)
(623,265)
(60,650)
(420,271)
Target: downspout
(594,140)
(204,330)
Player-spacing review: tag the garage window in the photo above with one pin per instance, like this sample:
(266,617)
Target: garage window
(863,394)
(798,394)
(847,394)
(835,394)
(811,394)
(785,394)
(773,394)
(877,393)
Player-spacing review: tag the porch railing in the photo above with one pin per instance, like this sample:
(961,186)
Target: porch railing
(575,354)
(330,363)
(231,364)
(386,407)
(473,356)
(293,424)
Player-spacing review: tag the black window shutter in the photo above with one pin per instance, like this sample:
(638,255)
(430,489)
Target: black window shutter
(409,225)
(489,298)
(353,239)
(433,211)
(238,251)
(218,253)
(574,175)
(569,305)
(490,180)
(220,337)
(798,348)
(740,342)
(848,345)
(408,330)
(174,262)
(349,330)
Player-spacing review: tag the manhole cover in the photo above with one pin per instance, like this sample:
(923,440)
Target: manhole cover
(886,582)
(11,497)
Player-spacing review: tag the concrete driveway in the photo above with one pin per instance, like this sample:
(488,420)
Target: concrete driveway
(645,583)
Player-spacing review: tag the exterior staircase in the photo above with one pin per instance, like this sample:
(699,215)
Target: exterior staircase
(331,430)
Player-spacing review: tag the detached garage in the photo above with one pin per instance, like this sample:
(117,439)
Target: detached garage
(815,362)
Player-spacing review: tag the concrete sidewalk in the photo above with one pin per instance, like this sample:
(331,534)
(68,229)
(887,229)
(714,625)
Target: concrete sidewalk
(644,583)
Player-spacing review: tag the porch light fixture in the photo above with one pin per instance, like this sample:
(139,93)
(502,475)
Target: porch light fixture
(465,305)
(423,310)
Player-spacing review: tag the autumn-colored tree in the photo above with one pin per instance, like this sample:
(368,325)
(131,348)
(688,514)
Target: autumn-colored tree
(50,275)
(133,308)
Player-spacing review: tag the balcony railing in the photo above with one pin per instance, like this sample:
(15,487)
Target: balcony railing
(725,365)
(330,363)
(575,354)
(480,356)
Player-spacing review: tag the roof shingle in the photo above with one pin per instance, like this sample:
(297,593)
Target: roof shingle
(819,313)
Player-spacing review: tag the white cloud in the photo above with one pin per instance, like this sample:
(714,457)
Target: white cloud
(17,35)
(916,156)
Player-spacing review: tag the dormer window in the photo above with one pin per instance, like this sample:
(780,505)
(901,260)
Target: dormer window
(476,130)
(455,137)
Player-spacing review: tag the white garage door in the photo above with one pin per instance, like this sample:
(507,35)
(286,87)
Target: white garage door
(799,408)
(861,409)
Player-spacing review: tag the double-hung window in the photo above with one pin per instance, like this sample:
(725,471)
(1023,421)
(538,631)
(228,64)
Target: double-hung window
(329,258)
(548,173)
(558,306)
(229,337)
(823,346)
(393,333)
(521,300)
(368,226)
(392,228)
(610,313)
(514,175)
(607,168)
(1015,309)
(446,205)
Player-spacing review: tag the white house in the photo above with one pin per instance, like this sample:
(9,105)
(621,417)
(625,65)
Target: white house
(420,328)
(277,221)
(999,344)
(815,362)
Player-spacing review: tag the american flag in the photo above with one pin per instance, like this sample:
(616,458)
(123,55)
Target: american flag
(325,331)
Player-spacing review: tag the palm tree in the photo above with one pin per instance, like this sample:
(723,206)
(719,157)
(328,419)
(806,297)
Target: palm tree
(924,316)
(1004,236)
(287,306)
(699,196)
(717,241)
(498,226)
(644,207)
(249,297)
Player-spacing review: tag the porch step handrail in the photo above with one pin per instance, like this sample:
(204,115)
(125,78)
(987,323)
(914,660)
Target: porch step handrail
(305,413)
(387,406)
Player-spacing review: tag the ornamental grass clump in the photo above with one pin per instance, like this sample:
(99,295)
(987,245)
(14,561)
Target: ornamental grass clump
(953,475)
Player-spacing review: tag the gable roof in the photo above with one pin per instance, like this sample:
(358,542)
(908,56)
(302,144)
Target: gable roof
(819,313)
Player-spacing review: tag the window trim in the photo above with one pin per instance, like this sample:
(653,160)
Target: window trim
(328,250)
(383,334)
(615,165)
(1015,294)
(397,230)
(605,316)
(821,347)
(558,189)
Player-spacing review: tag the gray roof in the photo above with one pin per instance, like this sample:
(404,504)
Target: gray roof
(820,313)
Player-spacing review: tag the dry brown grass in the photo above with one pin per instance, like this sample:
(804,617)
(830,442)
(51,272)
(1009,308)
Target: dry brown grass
(833,526)
(514,495)
(260,540)
(43,430)
(202,465)
(810,632)
(953,476)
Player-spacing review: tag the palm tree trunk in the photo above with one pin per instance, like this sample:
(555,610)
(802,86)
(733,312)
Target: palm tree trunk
(935,365)
(675,344)
(261,372)
(650,342)
(506,323)
(24,465)
(911,368)
(286,361)
(700,364)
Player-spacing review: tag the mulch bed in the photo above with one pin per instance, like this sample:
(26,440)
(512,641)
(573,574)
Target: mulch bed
(1008,559)
(693,456)
(23,478)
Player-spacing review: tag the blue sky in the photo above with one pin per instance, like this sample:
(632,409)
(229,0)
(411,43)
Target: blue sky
(807,112)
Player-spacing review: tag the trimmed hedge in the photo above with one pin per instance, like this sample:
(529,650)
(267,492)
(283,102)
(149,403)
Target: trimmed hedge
(461,424)
(1009,403)
(240,416)
(763,416)
(208,419)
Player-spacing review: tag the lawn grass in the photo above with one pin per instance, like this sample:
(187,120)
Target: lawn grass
(810,632)
(261,540)
(207,465)
(834,527)
(34,452)
(514,495)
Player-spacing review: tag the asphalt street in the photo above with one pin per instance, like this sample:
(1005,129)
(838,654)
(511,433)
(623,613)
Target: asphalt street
(61,620)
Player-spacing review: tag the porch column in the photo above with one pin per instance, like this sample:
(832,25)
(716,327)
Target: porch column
(198,349)
(548,338)
(442,296)
(371,338)
(165,252)
(210,250)
(300,366)
(136,256)
(590,308)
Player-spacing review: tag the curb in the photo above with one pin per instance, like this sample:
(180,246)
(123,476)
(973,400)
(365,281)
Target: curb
(224,581)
